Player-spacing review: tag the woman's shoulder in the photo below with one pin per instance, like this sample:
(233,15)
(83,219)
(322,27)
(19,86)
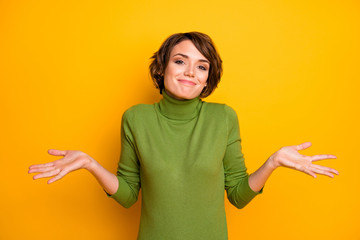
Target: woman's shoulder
(139,110)
(219,108)
(221,112)
(140,107)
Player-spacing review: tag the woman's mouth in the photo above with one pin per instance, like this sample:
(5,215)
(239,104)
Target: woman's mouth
(187,82)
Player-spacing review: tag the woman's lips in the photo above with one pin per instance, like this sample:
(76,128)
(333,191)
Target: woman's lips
(187,82)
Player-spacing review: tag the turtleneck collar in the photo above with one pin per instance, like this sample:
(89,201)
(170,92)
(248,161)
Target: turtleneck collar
(179,109)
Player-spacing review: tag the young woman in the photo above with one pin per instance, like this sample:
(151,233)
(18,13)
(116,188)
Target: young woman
(182,151)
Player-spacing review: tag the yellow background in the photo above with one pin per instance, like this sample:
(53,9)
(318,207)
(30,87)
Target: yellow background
(69,69)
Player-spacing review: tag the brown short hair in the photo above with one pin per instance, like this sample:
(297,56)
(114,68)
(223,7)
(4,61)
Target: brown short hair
(205,46)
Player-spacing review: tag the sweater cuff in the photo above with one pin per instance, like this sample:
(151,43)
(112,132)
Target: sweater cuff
(122,194)
(251,193)
(114,195)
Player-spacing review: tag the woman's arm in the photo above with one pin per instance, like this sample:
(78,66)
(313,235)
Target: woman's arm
(74,160)
(290,157)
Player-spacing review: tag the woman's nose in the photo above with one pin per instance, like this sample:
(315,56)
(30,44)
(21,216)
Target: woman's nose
(189,72)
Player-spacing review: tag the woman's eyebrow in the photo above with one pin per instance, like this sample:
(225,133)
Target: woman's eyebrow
(186,56)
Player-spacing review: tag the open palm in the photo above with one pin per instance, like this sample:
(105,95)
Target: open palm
(290,157)
(72,160)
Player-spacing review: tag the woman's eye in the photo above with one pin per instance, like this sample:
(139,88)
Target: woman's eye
(202,68)
(179,62)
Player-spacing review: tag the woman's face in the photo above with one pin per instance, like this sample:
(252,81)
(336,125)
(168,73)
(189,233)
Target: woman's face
(186,72)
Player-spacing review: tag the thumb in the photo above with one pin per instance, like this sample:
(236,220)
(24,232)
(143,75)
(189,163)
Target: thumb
(303,146)
(57,152)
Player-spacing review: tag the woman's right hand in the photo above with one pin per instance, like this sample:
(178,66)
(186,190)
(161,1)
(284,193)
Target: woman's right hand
(72,160)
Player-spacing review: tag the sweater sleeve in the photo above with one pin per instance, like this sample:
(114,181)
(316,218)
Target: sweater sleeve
(237,186)
(128,166)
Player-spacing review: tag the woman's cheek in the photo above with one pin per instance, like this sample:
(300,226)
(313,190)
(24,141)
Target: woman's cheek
(205,77)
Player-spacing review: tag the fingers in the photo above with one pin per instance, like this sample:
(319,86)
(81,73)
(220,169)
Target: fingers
(47,174)
(45,166)
(315,157)
(40,169)
(41,165)
(303,146)
(57,177)
(321,157)
(324,170)
(57,152)
(313,169)
(307,171)
(50,169)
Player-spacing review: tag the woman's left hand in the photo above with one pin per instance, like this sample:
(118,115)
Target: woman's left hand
(291,158)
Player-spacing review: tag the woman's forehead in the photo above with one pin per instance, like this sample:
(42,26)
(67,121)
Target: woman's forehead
(187,48)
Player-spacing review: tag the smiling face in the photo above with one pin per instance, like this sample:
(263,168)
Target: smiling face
(186,72)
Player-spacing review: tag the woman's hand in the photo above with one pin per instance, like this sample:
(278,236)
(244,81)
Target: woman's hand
(72,160)
(291,158)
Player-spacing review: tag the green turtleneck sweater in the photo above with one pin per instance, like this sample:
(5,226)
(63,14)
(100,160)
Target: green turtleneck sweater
(182,154)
